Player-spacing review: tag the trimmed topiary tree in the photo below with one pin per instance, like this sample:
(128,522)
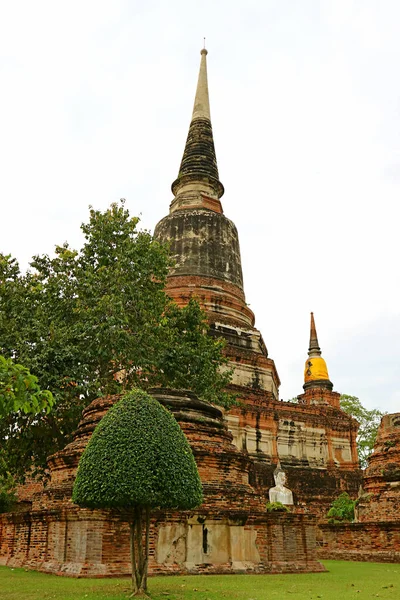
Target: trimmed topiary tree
(138,458)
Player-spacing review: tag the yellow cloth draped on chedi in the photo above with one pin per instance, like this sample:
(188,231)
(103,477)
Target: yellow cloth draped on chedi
(315,368)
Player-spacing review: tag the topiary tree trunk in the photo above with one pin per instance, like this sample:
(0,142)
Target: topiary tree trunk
(139,542)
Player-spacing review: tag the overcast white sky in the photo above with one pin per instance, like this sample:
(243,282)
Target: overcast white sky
(95,103)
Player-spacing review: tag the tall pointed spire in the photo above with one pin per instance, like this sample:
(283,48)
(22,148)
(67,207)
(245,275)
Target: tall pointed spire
(314,349)
(201,108)
(204,246)
(198,184)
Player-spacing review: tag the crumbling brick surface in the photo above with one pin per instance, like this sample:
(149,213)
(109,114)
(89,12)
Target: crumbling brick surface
(376,535)
(381,485)
(58,537)
(367,541)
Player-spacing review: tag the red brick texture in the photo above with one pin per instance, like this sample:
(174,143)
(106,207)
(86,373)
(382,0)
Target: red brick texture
(381,485)
(56,536)
(376,537)
(374,541)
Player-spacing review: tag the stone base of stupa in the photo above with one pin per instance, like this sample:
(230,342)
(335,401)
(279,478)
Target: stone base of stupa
(89,543)
(230,533)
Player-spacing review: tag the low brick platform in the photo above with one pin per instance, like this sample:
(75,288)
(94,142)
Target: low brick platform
(88,543)
(372,542)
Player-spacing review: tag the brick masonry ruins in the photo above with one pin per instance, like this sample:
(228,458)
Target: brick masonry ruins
(230,532)
(376,535)
(236,453)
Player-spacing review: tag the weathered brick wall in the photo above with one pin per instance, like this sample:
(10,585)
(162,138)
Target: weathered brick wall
(29,489)
(91,543)
(373,541)
(376,535)
(288,541)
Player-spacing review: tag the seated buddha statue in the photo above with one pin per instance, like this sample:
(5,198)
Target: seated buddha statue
(280,493)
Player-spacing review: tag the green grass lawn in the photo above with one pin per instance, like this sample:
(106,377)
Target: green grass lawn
(344,581)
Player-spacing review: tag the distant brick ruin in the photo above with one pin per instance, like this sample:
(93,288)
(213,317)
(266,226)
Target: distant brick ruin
(376,535)
(236,452)
(381,483)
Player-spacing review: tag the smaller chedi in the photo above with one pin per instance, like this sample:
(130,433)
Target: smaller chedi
(280,493)
(315,370)
(317,385)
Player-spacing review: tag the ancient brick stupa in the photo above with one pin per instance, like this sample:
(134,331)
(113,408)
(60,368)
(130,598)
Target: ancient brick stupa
(314,440)
(231,531)
(204,244)
(317,385)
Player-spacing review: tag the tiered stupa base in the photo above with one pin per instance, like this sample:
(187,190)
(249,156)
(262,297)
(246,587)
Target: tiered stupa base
(230,533)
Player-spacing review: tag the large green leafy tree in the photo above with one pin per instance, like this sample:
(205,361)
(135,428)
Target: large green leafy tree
(368,420)
(19,394)
(97,321)
(19,391)
(138,459)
